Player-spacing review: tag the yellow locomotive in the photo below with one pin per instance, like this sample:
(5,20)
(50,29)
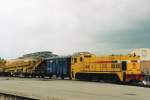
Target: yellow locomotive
(114,68)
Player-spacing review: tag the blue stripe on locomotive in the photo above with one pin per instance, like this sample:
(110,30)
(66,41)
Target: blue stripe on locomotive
(58,66)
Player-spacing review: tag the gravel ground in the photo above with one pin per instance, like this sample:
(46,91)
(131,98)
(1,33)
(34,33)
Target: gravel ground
(71,90)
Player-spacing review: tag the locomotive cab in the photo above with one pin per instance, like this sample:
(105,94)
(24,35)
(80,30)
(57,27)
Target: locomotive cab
(80,63)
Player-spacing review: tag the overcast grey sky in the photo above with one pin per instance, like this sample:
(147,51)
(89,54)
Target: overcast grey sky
(67,26)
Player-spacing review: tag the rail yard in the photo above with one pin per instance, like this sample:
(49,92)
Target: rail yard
(79,66)
(80,76)
(75,50)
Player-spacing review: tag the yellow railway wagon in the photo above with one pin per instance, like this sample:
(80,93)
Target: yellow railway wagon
(114,68)
(22,66)
(2,65)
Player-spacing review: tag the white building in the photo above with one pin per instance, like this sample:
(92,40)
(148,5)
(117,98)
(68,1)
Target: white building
(144,53)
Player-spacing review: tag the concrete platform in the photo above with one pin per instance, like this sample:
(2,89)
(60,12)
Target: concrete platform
(71,90)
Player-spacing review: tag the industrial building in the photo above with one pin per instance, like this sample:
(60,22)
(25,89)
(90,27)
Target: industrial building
(144,54)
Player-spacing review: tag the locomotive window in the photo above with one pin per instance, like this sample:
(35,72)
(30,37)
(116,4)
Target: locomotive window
(81,59)
(115,66)
(87,56)
(124,65)
(75,60)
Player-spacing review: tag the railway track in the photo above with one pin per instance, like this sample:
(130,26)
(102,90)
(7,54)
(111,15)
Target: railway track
(140,85)
(4,96)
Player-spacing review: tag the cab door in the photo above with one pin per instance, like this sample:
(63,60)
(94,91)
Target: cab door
(124,68)
(124,65)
